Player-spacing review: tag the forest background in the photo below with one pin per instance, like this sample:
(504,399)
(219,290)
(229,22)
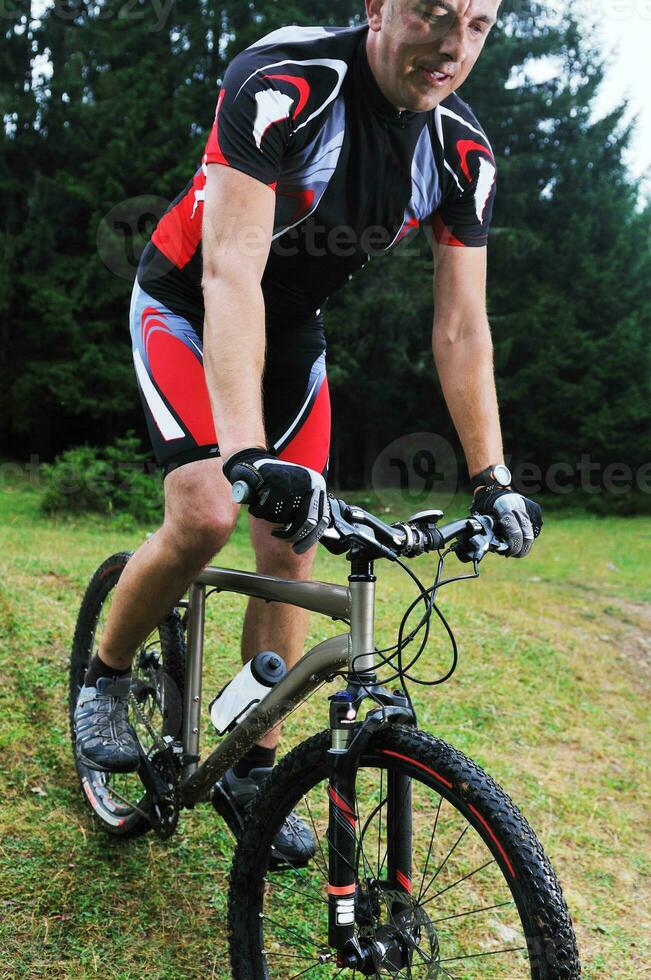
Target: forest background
(107,107)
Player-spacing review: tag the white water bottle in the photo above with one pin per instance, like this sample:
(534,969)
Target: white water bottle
(246,690)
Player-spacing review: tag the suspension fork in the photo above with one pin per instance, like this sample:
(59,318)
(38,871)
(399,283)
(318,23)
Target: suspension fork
(349,740)
(399,839)
(342,823)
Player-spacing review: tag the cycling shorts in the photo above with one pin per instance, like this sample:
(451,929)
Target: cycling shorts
(168,358)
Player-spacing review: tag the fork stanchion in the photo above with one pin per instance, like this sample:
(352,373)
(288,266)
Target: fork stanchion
(342,825)
(399,838)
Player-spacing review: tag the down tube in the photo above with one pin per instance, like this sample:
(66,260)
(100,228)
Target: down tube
(308,674)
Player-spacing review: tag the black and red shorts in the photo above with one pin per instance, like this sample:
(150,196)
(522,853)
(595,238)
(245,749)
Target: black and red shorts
(168,357)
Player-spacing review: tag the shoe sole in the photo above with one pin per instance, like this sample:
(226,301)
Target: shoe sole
(97,768)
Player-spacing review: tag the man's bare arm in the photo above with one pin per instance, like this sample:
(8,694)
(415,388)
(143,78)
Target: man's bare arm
(237,231)
(463,352)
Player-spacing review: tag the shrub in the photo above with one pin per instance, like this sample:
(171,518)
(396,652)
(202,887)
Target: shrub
(115,479)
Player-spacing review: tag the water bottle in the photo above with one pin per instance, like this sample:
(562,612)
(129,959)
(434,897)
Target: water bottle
(246,690)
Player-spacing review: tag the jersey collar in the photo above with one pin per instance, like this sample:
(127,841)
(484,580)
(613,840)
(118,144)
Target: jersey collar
(371,93)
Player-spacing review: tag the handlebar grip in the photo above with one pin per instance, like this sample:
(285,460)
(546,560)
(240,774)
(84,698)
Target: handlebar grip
(241,493)
(437,541)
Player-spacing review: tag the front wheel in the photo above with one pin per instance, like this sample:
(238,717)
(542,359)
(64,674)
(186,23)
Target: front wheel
(483,899)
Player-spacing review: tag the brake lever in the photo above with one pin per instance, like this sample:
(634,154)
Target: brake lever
(354,533)
(475,548)
(495,544)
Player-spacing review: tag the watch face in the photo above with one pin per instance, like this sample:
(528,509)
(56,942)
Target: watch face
(502,475)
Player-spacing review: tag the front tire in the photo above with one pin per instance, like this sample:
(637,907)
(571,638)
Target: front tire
(486,902)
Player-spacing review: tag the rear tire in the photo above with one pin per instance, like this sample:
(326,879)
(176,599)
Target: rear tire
(158,680)
(507,919)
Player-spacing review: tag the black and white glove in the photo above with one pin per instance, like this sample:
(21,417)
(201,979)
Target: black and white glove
(283,493)
(518,518)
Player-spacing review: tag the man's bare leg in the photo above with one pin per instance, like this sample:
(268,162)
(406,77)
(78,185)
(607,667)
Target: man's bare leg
(199,518)
(275,625)
(282,628)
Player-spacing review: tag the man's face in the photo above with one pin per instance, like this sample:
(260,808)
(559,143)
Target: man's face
(423,50)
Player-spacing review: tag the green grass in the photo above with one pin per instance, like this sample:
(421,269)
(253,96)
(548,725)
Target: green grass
(551,696)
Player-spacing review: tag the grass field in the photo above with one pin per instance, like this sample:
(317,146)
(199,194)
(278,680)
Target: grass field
(551,697)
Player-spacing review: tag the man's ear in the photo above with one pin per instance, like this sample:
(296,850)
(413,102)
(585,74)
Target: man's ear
(375,13)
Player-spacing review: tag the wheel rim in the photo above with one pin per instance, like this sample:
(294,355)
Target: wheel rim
(461,905)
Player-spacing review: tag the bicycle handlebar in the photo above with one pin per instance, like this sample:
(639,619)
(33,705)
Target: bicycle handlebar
(418,535)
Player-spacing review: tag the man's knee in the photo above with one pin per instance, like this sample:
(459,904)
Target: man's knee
(202,535)
(277,557)
(199,511)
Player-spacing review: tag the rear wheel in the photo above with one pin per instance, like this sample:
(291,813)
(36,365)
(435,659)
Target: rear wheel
(482,901)
(118,800)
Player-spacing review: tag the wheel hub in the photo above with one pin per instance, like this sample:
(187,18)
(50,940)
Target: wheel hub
(409,939)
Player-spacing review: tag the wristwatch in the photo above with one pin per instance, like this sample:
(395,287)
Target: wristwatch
(498,476)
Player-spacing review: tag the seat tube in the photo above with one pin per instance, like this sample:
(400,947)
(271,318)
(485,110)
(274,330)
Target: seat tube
(193,670)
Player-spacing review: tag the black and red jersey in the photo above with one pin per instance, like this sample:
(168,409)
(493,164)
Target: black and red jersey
(300,110)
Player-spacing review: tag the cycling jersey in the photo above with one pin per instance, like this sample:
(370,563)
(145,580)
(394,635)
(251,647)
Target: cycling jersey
(301,111)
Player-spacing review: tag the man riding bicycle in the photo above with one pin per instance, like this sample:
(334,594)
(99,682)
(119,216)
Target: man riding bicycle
(329,145)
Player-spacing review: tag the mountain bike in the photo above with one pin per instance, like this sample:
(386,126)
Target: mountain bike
(424,867)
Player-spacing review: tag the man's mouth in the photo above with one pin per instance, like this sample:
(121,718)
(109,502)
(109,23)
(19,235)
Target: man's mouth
(438,78)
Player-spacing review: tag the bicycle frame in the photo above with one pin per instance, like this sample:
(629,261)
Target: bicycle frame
(355,604)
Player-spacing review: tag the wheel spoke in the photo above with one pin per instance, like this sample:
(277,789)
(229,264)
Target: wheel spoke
(291,930)
(303,877)
(492,952)
(369,867)
(298,891)
(288,956)
(458,882)
(376,809)
(128,803)
(447,973)
(429,850)
(459,915)
(324,872)
(295,976)
(444,862)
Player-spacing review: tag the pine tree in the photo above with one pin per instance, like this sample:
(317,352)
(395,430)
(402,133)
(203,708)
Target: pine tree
(121,110)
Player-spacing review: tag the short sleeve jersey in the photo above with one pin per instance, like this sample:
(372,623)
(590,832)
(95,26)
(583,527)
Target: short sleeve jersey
(301,111)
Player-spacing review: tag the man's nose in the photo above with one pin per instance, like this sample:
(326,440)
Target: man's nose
(453,45)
